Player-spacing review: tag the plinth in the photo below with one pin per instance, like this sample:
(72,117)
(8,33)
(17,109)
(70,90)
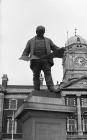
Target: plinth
(43,116)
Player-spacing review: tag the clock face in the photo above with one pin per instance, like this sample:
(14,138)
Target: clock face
(80,61)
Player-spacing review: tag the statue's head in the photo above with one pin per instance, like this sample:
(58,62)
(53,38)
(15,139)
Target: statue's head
(40,30)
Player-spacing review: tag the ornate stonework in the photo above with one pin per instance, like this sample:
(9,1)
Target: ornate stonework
(84,83)
(75,58)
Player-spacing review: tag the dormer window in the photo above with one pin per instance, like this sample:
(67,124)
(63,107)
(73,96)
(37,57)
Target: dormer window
(78,39)
(78,42)
(79,45)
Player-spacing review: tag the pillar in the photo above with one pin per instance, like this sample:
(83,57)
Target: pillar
(79,116)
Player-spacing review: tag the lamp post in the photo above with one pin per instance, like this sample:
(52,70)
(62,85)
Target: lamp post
(41,79)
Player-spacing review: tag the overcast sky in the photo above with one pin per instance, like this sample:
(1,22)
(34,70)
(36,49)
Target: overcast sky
(18,21)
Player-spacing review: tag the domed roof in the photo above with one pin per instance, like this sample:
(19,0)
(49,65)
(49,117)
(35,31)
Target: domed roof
(75,39)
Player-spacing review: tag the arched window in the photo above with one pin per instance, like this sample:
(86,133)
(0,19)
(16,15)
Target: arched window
(11,126)
(71,125)
(84,122)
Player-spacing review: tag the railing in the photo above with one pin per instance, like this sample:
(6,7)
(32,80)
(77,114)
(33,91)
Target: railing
(9,136)
(76,137)
(72,133)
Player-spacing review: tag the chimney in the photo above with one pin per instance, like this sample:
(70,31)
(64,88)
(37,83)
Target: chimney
(41,79)
(4,81)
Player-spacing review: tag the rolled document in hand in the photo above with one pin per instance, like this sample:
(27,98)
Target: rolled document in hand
(25,58)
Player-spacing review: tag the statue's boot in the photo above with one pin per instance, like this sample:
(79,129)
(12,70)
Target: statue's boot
(37,89)
(53,89)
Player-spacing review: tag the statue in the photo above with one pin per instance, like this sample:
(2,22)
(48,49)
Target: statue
(39,49)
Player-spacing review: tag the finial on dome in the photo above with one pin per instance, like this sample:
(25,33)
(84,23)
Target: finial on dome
(75,31)
(67,34)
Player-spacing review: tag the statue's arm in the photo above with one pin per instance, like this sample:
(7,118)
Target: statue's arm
(27,49)
(26,52)
(57,52)
(53,46)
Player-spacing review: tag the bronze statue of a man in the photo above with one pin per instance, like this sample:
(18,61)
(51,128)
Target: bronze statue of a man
(39,49)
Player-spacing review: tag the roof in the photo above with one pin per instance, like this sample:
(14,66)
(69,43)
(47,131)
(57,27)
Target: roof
(20,88)
(74,39)
(69,83)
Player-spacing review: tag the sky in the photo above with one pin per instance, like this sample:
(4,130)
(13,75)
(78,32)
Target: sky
(18,22)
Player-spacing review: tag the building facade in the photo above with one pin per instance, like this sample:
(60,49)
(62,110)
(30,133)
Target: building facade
(73,91)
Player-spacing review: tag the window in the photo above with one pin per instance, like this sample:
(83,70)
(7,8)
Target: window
(84,101)
(84,124)
(13,104)
(11,126)
(71,125)
(70,101)
(6,103)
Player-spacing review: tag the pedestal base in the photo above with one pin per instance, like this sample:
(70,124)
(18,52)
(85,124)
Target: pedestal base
(44,126)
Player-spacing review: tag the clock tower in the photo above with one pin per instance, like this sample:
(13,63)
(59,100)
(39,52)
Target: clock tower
(75,58)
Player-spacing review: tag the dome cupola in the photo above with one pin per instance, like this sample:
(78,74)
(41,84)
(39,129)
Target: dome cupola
(75,42)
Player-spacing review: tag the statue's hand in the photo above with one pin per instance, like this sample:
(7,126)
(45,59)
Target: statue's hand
(59,53)
(62,49)
(25,58)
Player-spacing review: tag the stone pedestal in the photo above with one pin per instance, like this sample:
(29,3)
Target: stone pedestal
(41,125)
(43,116)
